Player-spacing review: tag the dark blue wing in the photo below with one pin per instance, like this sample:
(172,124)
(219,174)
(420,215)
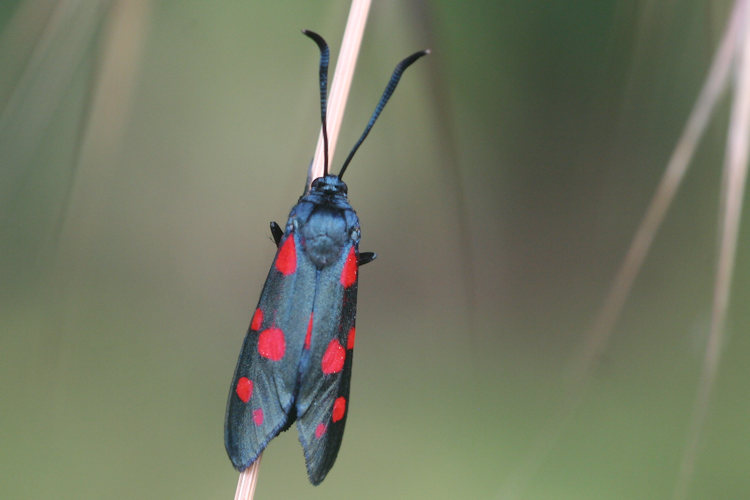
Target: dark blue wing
(261,397)
(323,398)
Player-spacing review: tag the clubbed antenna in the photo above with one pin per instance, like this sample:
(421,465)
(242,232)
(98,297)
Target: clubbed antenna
(324,58)
(400,68)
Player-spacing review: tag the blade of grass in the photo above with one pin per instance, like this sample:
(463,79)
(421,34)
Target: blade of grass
(41,86)
(248,480)
(733,188)
(713,88)
(598,334)
(106,119)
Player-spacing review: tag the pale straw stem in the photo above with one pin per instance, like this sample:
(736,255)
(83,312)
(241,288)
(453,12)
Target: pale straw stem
(732,190)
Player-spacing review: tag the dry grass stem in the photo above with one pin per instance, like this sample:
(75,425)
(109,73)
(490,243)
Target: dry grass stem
(58,50)
(733,188)
(247,481)
(119,63)
(713,88)
(598,334)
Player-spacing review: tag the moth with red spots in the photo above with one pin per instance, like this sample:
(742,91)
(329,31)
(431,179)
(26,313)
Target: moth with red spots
(296,360)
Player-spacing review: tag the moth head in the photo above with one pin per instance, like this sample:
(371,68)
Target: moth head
(329,185)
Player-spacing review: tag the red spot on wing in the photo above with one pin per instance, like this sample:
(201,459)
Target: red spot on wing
(350,338)
(320,430)
(349,272)
(309,332)
(271,344)
(258,417)
(286,260)
(339,408)
(333,358)
(244,389)
(257,321)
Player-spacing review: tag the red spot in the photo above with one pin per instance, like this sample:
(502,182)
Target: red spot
(333,358)
(257,320)
(349,273)
(271,344)
(350,338)
(339,408)
(244,389)
(320,430)
(309,332)
(286,259)
(258,417)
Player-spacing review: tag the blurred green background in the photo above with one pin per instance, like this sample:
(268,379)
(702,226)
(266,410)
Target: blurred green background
(145,146)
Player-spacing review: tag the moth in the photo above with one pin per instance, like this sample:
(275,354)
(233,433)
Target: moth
(296,359)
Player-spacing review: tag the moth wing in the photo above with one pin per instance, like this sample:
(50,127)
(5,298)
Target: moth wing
(261,397)
(323,398)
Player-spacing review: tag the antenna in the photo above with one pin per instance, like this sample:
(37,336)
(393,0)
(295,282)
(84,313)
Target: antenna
(397,72)
(324,58)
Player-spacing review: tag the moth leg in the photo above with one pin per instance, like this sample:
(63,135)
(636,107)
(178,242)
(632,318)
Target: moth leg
(276,233)
(365,257)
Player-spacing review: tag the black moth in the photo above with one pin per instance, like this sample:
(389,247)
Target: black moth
(296,359)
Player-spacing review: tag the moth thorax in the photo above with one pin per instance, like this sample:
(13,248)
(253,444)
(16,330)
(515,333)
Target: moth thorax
(324,236)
